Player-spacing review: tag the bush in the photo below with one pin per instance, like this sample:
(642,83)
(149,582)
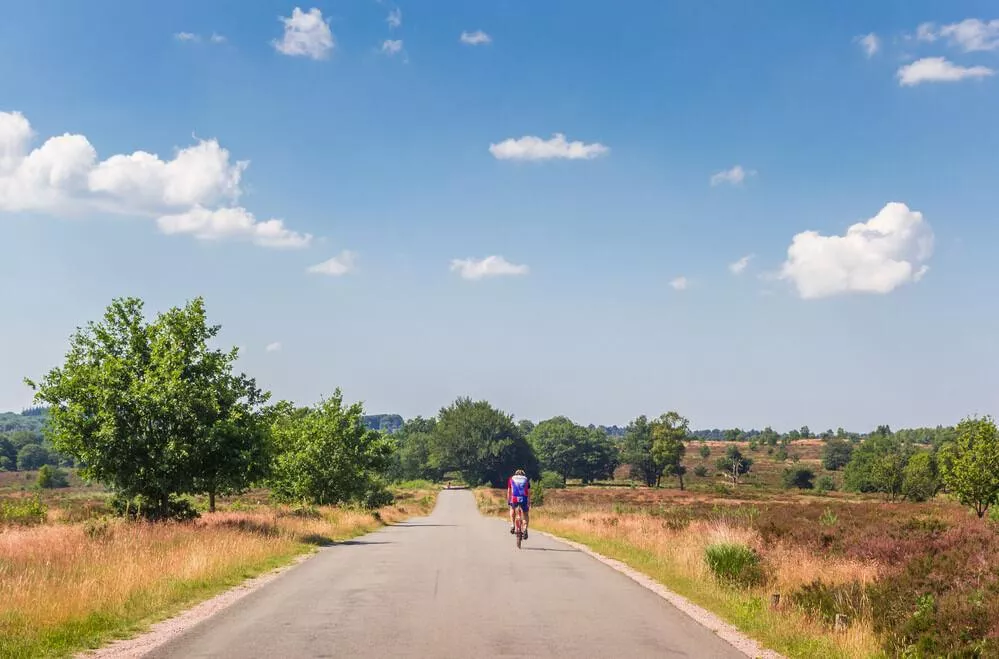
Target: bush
(551,481)
(700,470)
(824,601)
(734,564)
(799,477)
(538,494)
(141,507)
(97,529)
(781,455)
(825,484)
(50,477)
(26,512)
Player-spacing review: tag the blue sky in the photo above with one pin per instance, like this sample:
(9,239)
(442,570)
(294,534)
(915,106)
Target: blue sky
(695,134)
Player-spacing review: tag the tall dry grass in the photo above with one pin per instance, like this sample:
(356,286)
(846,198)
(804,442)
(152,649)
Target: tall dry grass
(68,586)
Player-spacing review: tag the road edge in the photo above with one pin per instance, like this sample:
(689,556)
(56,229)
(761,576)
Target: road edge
(724,630)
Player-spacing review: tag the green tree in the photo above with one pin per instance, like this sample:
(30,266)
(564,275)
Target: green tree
(50,477)
(769,436)
(734,464)
(482,443)
(559,445)
(636,451)
(805,432)
(668,434)
(150,410)
(970,464)
(31,457)
(802,478)
(598,457)
(8,455)
(705,451)
(413,455)
(920,478)
(326,455)
(836,454)
(878,465)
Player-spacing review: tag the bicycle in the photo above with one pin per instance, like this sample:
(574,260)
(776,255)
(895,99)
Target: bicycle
(519,525)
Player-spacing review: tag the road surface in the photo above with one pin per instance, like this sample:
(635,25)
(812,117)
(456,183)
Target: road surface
(450,585)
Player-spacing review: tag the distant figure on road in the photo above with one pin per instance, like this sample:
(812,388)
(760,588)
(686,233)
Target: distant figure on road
(518,495)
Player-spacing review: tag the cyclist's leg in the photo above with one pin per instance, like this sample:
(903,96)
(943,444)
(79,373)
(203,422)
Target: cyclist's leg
(513,517)
(525,511)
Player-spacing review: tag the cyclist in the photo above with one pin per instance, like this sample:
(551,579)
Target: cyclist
(518,495)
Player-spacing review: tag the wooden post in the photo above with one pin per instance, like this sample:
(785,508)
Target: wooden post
(775,600)
(841,622)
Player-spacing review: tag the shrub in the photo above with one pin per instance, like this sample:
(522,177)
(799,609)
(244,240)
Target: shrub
(823,601)
(799,477)
(140,507)
(781,454)
(734,564)
(551,481)
(825,484)
(702,471)
(538,494)
(705,451)
(26,512)
(50,477)
(97,529)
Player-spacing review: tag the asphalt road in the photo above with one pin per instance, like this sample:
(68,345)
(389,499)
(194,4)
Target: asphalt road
(450,585)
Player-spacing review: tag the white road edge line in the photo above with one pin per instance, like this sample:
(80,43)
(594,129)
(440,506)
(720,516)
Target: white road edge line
(705,618)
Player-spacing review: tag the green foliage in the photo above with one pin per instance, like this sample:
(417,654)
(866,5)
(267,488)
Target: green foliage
(704,451)
(836,454)
(970,464)
(668,433)
(24,512)
(920,480)
(50,477)
(828,518)
(551,480)
(825,601)
(572,450)
(151,411)
(802,478)
(700,471)
(482,443)
(781,454)
(734,564)
(412,458)
(734,464)
(327,456)
(825,484)
(31,457)
(878,465)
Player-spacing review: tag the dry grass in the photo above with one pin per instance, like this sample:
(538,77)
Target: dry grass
(67,586)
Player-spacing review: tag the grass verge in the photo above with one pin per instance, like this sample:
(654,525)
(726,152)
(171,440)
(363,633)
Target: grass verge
(70,587)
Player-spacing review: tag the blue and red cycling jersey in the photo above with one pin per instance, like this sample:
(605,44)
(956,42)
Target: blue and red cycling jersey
(518,490)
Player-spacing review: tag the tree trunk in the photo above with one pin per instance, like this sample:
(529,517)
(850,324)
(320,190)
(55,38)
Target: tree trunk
(211,501)
(680,476)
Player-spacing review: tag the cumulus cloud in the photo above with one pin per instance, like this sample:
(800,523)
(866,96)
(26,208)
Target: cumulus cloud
(739,266)
(680,283)
(530,147)
(306,34)
(938,69)
(870,43)
(477,38)
(186,36)
(337,266)
(195,192)
(734,176)
(392,46)
(970,35)
(273,347)
(876,256)
(394,18)
(491,266)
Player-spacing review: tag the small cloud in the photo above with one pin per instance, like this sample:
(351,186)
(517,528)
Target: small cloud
(392,46)
(970,35)
(337,266)
(876,256)
(680,283)
(530,147)
(477,38)
(273,347)
(926,32)
(938,69)
(734,176)
(186,36)
(739,266)
(306,34)
(394,18)
(217,38)
(491,266)
(870,43)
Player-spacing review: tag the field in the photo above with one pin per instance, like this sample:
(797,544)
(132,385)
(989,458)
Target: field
(911,579)
(80,578)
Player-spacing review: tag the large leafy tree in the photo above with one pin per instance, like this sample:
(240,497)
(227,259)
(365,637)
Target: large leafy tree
(559,444)
(480,442)
(150,409)
(598,458)
(878,465)
(970,464)
(734,464)
(636,451)
(326,455)
(836,454)
(412,458)
(668,434)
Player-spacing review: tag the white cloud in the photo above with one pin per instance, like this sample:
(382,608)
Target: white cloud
(477,38)
(970,35)
(491,266)
(739,266)
(337,266)
(195,192)
(273,347)
(680,283)
(876,256)
(217,38)
(938,69)
(870,43)
(535,148)
(306,34)
(394,18)
(186,36)
(392,46)
(734,176)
